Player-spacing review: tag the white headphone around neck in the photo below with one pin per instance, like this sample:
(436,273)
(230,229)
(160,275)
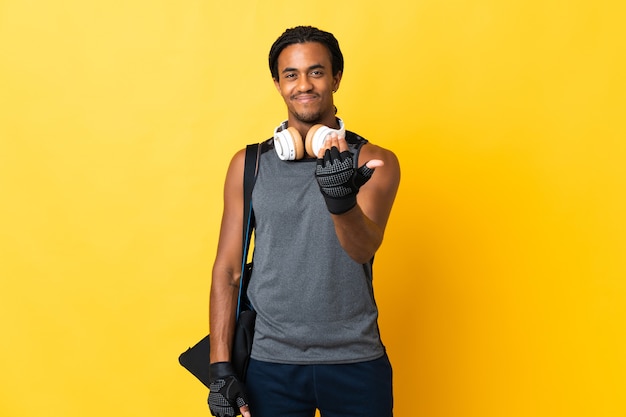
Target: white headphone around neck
(288,142)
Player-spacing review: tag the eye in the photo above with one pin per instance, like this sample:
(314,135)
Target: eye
(317,73)
(290,76)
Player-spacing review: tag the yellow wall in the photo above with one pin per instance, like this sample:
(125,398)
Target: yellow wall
(501,281)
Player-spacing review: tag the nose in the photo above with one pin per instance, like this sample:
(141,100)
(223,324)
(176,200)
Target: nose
(304,84)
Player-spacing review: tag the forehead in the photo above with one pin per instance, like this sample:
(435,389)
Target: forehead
(304,55)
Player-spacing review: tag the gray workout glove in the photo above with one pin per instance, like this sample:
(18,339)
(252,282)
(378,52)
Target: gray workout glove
(339,181)
(226,392)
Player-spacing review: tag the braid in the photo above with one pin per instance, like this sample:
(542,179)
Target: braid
(303,34)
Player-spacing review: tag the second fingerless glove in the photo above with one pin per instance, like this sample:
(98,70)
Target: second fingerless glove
(226,392)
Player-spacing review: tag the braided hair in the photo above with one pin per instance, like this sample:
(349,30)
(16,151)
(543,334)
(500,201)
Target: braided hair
(303,34)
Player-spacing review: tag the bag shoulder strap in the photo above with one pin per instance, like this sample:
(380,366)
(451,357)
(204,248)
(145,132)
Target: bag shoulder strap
(249,177)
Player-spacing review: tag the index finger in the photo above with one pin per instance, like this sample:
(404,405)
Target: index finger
(245,411)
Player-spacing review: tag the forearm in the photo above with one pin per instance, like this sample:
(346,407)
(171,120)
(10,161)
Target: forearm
(359,220)
(223,303)
(359,236)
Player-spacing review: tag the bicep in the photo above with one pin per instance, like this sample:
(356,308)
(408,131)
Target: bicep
(229,248)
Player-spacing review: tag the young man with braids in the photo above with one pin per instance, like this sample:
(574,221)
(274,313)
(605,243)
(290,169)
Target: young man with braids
(320,217)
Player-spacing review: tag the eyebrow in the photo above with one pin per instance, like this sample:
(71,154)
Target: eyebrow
(312,67)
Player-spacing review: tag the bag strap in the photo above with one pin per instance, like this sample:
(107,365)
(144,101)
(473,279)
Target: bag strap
(249,177)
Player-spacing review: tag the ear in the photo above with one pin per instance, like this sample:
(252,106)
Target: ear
(337,80)
(276,84)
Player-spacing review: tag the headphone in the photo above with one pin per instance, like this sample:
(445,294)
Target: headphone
(288,142)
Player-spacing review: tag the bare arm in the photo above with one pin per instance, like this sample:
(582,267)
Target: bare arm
(227,265)
(361,229)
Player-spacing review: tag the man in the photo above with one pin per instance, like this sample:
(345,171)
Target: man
(320,217)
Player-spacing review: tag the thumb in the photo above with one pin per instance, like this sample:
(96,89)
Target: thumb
(374,163)
(363,175)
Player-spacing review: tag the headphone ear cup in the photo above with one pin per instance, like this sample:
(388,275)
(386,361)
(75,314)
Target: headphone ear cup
(297,142)
(288,144)
(315,139)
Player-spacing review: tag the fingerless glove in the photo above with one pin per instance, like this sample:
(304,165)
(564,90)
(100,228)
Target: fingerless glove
(339,181)
(226,392)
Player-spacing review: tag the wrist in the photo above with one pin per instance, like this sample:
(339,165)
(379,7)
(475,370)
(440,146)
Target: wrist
(340,205)
(218,370)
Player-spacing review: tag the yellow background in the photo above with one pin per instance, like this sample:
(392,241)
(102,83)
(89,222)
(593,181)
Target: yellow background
(501,281)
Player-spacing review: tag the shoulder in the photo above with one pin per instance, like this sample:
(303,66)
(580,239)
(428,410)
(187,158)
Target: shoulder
(238,159)
(235,169)
(370,151)
(387,175)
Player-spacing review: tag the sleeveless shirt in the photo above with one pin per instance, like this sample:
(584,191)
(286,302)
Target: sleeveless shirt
(314,303)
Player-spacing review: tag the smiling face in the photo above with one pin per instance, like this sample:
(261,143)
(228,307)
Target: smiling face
(306,83)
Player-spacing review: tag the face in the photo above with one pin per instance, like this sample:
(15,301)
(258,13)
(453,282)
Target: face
(306,83)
